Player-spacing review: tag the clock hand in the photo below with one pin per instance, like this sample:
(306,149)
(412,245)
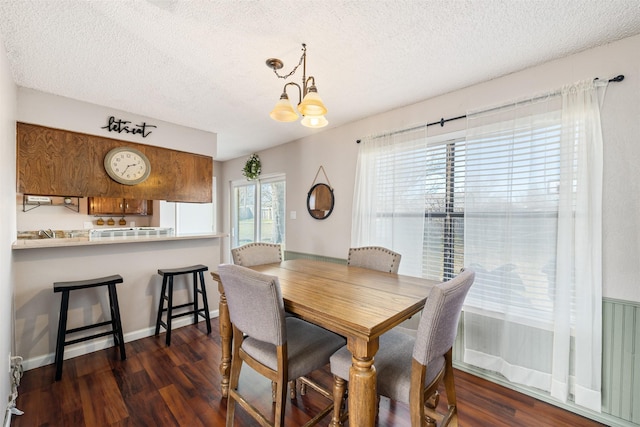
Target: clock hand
(128,166)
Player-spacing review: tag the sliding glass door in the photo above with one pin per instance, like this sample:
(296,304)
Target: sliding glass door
(258,211)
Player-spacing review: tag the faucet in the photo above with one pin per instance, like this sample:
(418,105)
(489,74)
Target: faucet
(49,233)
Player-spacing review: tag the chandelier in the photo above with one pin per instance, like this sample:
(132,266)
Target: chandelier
(309,103)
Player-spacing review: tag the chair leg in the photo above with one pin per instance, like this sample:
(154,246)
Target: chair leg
(234,378)
(433,400)
(62,330)
(281,395)
(339,386)
(450,388)
(292,389)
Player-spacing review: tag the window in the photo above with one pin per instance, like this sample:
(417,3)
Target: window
(444,210)
(524,188)
(258,210)
(512,219)
(512,195)
(410,197)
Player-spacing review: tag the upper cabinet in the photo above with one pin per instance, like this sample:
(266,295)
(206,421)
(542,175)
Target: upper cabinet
(112,206)
(59,162)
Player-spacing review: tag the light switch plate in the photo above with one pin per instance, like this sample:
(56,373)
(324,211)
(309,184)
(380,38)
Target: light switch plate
(292,215)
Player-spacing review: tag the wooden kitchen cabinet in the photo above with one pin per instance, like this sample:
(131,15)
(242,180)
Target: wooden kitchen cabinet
(56,162)
(115,206)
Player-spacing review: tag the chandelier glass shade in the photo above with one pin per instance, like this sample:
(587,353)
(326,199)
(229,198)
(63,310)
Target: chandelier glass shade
(310,105)
(283,111)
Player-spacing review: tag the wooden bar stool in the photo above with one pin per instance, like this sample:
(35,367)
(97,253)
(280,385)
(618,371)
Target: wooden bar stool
(167,295)
(115,322)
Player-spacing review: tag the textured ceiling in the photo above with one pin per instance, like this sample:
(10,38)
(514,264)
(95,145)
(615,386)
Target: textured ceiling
(202,63)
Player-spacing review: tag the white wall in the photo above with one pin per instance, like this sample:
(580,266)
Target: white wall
(336,150)
(65,113)
(8,223)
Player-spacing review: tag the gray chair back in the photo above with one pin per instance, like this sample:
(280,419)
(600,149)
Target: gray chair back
(374,258)
(257,253)
(255,303)
(439,323)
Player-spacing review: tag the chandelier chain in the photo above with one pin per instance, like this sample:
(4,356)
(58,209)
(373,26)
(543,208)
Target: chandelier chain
(304,52)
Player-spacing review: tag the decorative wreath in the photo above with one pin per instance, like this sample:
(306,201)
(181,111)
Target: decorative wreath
(252,168)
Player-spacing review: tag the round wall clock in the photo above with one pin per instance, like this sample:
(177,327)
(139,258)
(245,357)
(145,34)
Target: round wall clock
(127,165)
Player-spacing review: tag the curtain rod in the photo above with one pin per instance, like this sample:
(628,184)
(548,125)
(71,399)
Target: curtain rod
(442,121)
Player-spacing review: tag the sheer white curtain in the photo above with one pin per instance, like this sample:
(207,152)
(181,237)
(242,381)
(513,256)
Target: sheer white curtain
(533,214)
(389,195)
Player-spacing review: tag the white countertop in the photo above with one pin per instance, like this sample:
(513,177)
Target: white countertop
(84,241)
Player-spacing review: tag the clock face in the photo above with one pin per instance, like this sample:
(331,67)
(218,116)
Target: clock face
(127,165)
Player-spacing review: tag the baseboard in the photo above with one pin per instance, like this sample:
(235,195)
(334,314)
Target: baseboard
(101,344)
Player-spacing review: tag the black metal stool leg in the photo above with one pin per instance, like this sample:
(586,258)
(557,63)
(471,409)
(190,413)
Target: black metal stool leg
(62,330)
(169,310)
(161,304)
(195,298)
(118,336)
(205,303)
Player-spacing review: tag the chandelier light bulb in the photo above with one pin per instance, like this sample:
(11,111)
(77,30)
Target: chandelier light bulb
(314,122)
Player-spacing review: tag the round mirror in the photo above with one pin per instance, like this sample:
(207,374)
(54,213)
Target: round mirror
(320,201)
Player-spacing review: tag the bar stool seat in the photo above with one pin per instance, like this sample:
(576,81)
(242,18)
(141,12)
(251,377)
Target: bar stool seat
(115,322)
(166,294)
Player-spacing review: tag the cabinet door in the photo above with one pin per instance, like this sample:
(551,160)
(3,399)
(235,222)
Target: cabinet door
(138,207)
(105,206)
(111,206)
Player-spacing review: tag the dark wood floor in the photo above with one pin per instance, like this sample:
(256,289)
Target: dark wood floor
(179,386)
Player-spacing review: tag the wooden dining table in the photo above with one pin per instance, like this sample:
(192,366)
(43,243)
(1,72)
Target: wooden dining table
(357,303)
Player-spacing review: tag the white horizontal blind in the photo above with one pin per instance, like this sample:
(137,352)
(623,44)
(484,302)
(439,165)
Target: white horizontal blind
(409,198)
(511,208)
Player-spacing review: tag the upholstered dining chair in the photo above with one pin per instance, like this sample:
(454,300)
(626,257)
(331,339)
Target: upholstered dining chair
(410,369)
(374,258)
(257,253)
(273,345)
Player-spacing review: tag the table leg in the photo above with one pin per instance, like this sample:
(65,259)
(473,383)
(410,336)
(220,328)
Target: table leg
(362,383)
(225,338)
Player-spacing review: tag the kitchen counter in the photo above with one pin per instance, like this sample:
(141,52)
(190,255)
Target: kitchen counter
(85,241)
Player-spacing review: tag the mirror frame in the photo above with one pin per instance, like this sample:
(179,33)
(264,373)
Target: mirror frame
(309,195)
